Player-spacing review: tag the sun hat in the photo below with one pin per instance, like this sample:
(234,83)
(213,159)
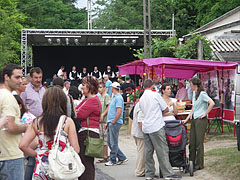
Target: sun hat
(115,85)
(183,82)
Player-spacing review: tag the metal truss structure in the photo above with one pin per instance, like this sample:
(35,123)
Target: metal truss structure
(81,37)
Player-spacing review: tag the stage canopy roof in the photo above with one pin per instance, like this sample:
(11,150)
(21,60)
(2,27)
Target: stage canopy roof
(174,67)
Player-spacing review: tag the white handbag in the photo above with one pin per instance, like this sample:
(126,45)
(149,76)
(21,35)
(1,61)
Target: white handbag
(65,165)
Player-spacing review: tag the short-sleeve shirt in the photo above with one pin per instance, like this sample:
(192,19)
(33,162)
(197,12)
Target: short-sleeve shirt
(105,101)
(116,102)
(200,105)
(152,105)
(125,85)
(137,117)
(9,142)
(108,85)
(33,99)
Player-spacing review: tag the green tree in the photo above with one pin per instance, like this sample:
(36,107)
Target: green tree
(53,14)
(189,49)
(170,48)
(118,14)
(122,14)
(10,32)
(209,10)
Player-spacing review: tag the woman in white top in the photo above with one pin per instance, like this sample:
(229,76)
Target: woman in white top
(166,93)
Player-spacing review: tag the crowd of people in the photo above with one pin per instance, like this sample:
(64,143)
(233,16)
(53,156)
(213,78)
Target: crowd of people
(30,111)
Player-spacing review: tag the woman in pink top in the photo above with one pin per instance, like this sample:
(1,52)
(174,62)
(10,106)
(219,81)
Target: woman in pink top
(89,108)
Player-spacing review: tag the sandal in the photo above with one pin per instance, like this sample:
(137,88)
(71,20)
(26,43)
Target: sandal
(102,160)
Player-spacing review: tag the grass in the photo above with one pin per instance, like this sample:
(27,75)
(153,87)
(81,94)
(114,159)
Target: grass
(226,162)
(227,135)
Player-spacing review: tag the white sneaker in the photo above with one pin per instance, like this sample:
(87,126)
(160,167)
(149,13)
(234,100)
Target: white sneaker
(122,161)
(109,163)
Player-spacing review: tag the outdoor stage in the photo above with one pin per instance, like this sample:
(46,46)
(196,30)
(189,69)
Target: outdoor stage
(51,58)
(52,48)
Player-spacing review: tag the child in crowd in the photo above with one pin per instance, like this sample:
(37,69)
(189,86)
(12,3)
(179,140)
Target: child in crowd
(137,134)
(26,117)
(105,101)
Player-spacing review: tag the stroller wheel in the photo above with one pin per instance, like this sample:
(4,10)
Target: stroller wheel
(191,168)
(186,167)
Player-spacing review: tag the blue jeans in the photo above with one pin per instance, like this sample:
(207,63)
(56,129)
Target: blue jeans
(29,168)
(12,169)
(112,140)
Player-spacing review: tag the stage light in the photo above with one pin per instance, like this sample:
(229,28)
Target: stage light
(124,41)
(49,40)
(58,40)
(76,41)
(134,41)
(115,41)
(67,41)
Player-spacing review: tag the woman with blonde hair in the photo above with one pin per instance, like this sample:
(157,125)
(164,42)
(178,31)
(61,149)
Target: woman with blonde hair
(54,104)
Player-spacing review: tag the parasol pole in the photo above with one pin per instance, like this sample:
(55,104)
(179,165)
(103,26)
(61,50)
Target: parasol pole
(222,97)
(152,72)
(135,84)
(162,73)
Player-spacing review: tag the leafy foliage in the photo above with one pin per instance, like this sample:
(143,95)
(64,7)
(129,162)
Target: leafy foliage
(211,9)
(110,14)
(10,28)
(18,14)
(189,50)
(170,48)
(188,14)
(53,14)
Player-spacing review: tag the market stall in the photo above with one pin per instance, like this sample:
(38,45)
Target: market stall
(218,79)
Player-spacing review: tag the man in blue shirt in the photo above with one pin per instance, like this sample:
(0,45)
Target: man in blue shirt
(114,123)
(108,83)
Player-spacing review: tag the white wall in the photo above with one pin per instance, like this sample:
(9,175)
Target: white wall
(233,18)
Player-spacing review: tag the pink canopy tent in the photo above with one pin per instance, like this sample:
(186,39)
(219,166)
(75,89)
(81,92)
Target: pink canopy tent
(174,67)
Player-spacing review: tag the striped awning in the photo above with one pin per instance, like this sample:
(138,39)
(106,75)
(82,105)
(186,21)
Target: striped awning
(226,45)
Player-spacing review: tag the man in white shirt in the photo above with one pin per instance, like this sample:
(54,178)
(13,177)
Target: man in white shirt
(60,72)
(96,73)
(153,106)
(66,87)
(110,73)
(74,76)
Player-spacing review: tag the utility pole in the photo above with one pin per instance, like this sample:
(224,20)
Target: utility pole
(89,9)
(173,24)
(147,28)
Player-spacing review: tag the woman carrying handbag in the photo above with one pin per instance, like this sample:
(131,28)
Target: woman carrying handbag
(54,104)
(89,108)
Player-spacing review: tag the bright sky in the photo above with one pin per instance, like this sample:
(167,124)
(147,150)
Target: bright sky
(81,3)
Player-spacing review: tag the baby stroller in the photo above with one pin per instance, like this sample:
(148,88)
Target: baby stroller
(177,139)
